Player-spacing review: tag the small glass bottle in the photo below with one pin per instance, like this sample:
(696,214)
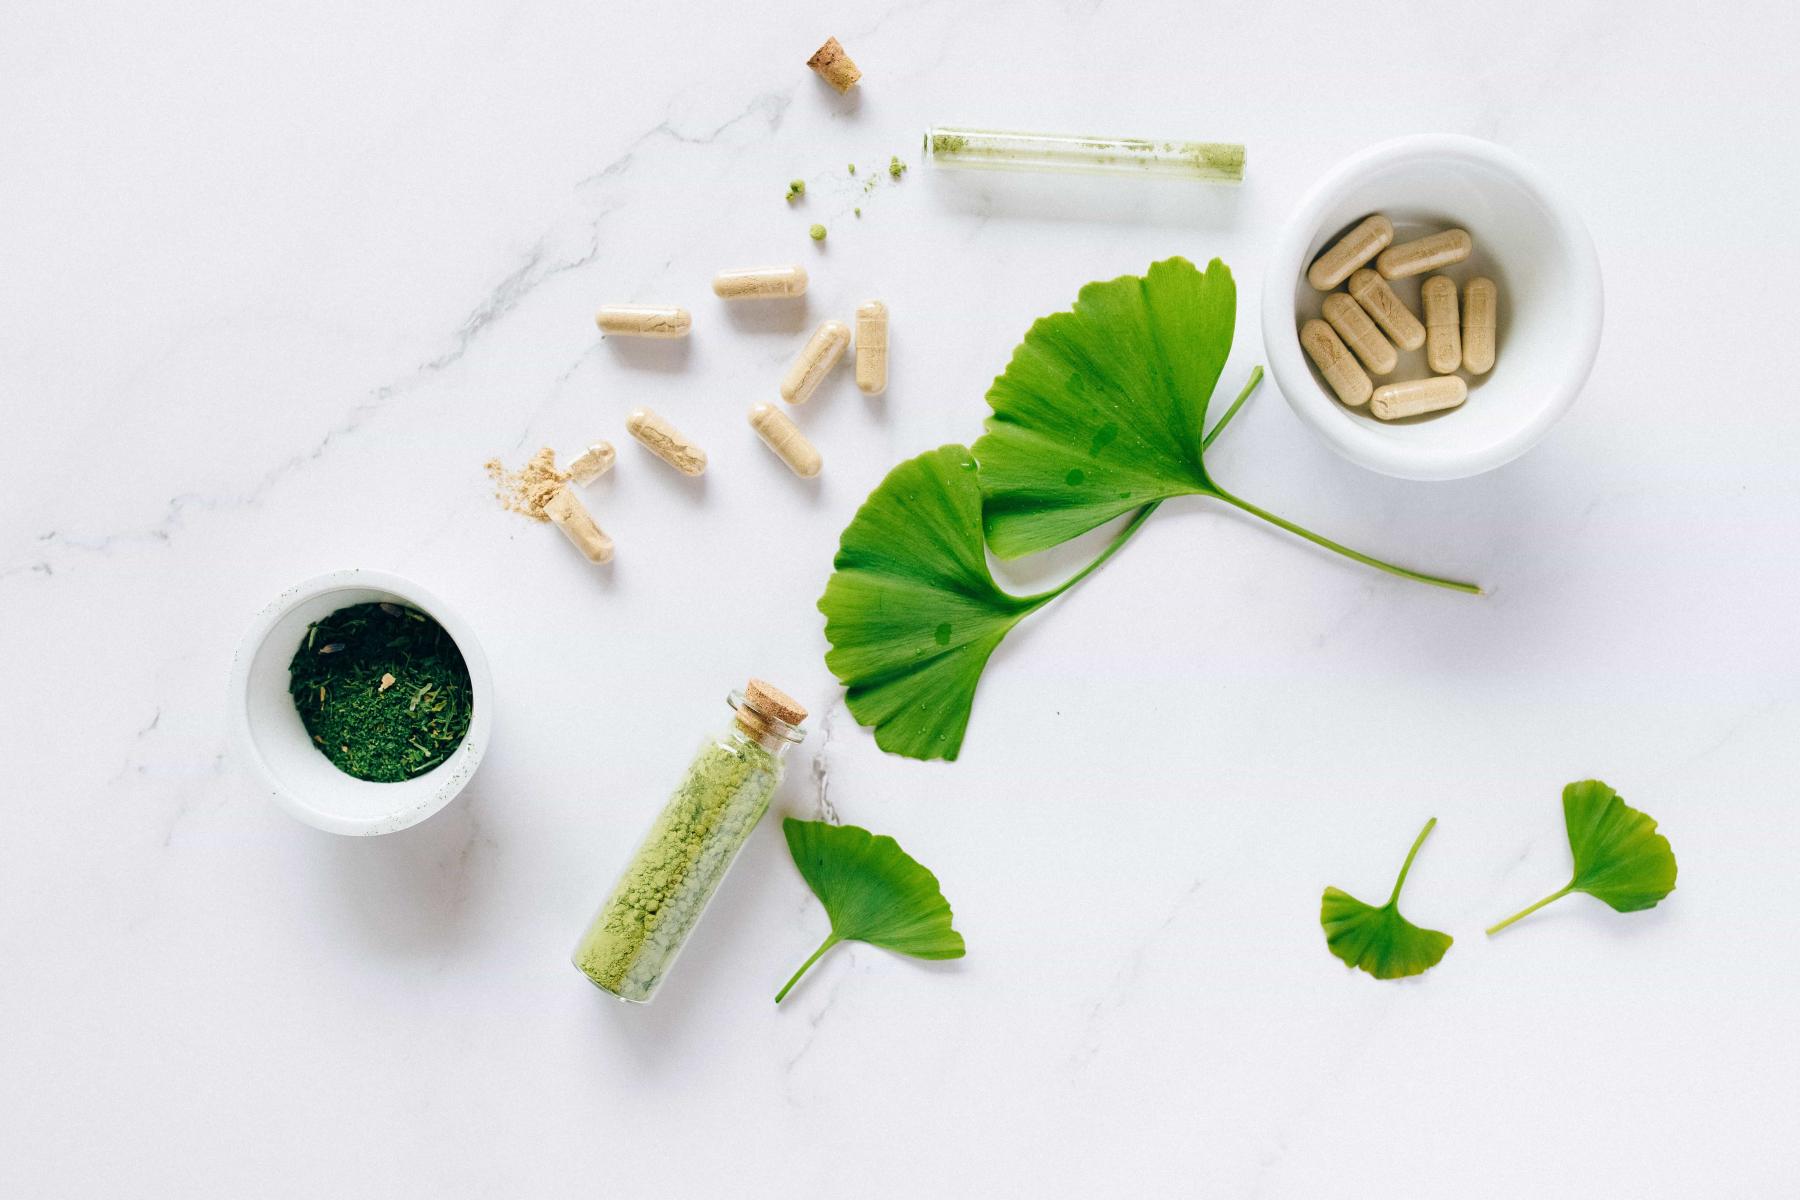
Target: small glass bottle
(634,938)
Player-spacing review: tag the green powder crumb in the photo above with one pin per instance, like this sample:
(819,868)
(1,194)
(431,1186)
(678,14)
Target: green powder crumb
(948,143)
(817,233)
(896,168)
(852,168)
(796,189)
(857,211)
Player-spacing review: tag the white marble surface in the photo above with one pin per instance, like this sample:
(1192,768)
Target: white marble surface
(275,279)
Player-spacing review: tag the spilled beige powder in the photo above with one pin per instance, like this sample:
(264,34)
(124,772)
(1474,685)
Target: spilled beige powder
(527,490)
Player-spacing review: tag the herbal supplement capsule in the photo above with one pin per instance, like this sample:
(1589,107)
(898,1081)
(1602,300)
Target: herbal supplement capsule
(1415,396)
(817,357)
(665,441)
(1390,312)
(1334,362)
(644,320)
(780,434)
(1359,333)
(1426,254)
(1350,252)
(1443,340)
(1481,304)
(572,517)
(592,463)
(871,348)
(760,283)
(633,940)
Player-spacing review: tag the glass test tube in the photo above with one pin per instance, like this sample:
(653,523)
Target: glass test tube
(999,150)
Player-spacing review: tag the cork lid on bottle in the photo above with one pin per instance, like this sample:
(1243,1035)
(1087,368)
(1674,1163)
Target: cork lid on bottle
(771,701)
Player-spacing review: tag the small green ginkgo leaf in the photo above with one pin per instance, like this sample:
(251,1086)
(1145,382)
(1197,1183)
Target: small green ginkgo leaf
(1619,856)
(872,890)
(1380,940)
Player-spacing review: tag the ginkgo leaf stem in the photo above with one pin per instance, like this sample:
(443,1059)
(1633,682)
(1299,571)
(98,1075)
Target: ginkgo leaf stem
(1119,539)
(1410,855)
(1526,912)
(1249,386)
(1327,543)
(816,956)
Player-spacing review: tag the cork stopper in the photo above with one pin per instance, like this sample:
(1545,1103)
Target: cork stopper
(771,701)
(834,66)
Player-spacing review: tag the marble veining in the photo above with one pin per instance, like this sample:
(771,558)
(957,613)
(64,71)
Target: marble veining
(277,284)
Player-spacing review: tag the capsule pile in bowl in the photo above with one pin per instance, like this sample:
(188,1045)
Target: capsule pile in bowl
(1365,330)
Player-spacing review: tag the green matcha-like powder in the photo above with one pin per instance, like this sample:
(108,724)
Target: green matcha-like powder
(637,933)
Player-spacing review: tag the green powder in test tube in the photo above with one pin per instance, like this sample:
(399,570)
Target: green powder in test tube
(1000,150)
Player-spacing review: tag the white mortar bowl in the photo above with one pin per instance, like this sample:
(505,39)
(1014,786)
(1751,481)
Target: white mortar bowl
(269,737)
(1527,238)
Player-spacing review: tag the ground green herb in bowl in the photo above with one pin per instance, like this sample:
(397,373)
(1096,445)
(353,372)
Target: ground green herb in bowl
(382,690)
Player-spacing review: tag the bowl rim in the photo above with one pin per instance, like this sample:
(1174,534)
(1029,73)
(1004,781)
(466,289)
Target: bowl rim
(456,771)
(1584,307)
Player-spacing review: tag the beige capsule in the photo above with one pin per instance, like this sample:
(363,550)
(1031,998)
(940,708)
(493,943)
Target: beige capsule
(814,362)
(780,434)
(872,348)
(665,441)
(760,283)
(644,320)
(1425,254)
(1388,310)
(1443,337)
(1334,361)
(1395,400)
(1481,307)
(1350,252)
(1359,333)
(577,524)
(592,463)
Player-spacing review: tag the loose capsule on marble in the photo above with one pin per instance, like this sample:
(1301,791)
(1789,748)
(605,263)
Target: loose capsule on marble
(1352,324)
(665,441)
(1425,254)
(1388,310)
(577,524)
(1443,336)
(1334,361)
(1416,396)
(780,434)
(1350,252)
(760,283)
(644,320)
(1481,305)
(815,360)
(872,348)
(592,463)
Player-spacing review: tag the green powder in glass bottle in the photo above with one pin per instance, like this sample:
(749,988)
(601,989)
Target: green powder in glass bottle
(634,938)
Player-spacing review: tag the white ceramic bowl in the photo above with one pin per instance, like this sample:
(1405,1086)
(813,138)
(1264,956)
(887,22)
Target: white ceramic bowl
(269,736)
(1527,238)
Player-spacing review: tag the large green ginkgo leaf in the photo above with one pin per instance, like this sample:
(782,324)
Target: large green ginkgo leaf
(1619,856)
(1102,408)
(1380,940)
(872,890)
(911,610)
